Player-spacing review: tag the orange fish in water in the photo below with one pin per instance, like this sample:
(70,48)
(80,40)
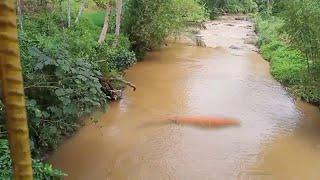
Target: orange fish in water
(205,121)
(199,121)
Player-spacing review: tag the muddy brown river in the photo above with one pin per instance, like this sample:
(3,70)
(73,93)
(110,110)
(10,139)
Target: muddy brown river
(279,138)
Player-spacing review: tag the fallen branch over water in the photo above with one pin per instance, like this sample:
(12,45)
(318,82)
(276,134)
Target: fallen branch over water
(111,92)
(124,82)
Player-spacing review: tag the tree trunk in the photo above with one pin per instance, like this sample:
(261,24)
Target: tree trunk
(19,9)
(69,13)
(105,24)
(118,21)
(13,93)
(269,6)
(81,10)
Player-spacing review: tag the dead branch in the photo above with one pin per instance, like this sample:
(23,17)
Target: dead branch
(124,82)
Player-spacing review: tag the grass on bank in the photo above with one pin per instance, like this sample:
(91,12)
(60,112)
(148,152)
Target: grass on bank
(288,65)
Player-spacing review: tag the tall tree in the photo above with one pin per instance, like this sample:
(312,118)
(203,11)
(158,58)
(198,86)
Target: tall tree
(83,5)
(107,5)
(69,13)
(118,20)
(13,92)
(19,9)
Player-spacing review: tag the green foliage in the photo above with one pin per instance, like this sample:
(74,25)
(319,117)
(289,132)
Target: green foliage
(149,22)
(60,92)
(120,59)
(235,6)
(41,171)
(267,7)
(97,17)
(60,69)
(60,83)
(216,7)
(268,50)
(288,65)
(268,28)
(302,27)
(104,3)
(115,59)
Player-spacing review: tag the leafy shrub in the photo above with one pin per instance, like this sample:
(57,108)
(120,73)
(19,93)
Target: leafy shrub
(60,70)
(120,59)
(60,90)
(217,7)
(301,25)
(288,64)
(41,170)
(97,17)
(149,22)
(249,6)
(268,28)
(268,50)
(275,7)
(308,92)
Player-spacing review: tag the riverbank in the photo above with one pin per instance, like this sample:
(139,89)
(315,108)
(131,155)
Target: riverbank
(288,65)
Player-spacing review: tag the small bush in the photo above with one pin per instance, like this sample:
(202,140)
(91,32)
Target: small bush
(302,27)
(41,170)
(97,17)
(120,59)
(288,66)
(268,28)
(268,50)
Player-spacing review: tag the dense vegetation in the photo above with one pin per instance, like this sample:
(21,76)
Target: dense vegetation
(62,61)
(149,22)
(216,7)
(289,38)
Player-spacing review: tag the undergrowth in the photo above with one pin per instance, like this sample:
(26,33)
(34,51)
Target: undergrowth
(288,64)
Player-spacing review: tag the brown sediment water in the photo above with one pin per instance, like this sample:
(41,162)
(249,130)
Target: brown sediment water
(278,137)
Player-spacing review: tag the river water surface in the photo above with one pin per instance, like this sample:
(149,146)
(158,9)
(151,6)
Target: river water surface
(279,137)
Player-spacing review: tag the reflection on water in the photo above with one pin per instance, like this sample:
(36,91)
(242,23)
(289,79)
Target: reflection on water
(277,134)
(297,155)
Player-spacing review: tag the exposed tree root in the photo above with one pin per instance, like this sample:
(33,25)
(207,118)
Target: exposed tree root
(111,92)
(124,82)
